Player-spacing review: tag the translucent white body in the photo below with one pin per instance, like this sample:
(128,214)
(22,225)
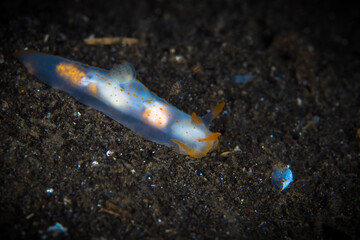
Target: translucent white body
(119,95)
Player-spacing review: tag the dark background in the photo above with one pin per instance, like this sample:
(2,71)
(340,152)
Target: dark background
(301,108)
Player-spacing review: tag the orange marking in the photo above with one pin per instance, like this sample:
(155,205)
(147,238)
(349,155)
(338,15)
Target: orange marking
(97,75)
(122,90)
(195,119)
(135,95)
(93,88)
(102,78)
(128,93)
(109,84)
(177,121)
(146,113)
(70,72)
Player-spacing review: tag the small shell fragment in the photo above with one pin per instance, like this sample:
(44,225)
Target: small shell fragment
(57,229)
(281,177)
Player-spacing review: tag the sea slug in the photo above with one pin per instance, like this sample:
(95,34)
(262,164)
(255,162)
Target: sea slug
(119,95)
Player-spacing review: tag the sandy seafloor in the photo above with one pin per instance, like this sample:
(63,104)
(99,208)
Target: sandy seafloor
(299,107)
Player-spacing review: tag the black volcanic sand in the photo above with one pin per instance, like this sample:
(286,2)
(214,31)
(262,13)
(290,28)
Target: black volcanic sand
(65,163)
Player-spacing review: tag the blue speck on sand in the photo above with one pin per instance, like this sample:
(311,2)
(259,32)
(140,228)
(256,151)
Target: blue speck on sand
(243,79)
(281,177)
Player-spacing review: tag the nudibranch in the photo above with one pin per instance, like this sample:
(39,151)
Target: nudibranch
(119,95)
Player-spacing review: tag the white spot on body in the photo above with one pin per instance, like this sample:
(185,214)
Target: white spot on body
(156,114)
(113,95)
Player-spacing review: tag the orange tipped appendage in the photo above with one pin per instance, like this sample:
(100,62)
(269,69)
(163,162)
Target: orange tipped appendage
(193,152)
(196,153)
(195,119)
(218,109)
(212,137)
